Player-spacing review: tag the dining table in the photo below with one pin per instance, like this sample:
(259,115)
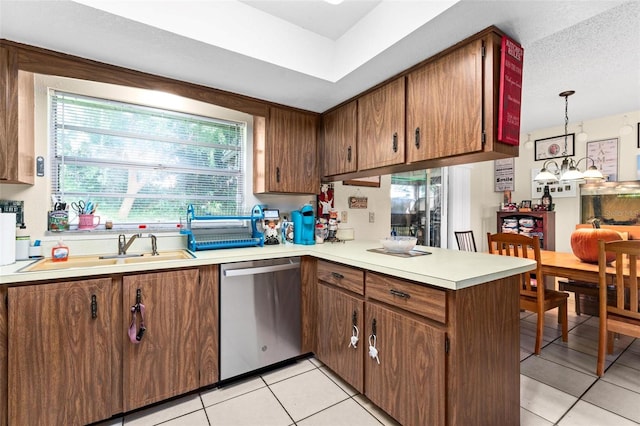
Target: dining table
(567,265)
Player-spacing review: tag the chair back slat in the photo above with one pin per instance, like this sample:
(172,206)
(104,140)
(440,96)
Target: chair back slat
(465,240)
(522,246)
(627,299)
(622,316)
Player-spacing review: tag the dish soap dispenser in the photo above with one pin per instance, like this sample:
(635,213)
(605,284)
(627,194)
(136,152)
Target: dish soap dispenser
(60,253)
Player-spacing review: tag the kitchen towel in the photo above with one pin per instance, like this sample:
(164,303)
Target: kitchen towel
(7,238)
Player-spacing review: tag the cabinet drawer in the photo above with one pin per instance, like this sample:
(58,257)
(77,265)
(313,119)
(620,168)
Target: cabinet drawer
(421,300)
(351,279)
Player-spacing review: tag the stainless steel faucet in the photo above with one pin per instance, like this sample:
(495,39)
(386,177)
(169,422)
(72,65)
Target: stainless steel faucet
(154,245)
(123,244)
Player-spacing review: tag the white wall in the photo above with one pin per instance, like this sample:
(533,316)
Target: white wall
(378,202)
(485,202)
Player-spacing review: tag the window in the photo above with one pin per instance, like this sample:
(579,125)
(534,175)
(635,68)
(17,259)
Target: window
(142,164)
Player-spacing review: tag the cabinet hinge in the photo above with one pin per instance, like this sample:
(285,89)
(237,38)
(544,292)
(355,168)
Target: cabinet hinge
(446,344)
(484,138)
(483,50)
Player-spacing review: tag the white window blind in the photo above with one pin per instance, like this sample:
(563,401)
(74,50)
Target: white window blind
(142,164)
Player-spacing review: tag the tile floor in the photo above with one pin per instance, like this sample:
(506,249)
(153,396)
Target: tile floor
(559,387)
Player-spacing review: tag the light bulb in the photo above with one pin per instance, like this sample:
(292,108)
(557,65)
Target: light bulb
(529,143)
(582,136)
(626,129)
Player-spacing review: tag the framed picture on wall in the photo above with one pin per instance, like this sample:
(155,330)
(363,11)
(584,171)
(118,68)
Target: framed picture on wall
(604,154)
(554,147)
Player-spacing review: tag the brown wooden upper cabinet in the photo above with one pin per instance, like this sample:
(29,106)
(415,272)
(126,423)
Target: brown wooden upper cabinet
(16,121)
(381,126)
(449,104)
(285,152)
(444,105)
(340,132)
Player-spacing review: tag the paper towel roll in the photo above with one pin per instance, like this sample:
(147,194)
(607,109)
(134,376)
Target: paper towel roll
(7,238)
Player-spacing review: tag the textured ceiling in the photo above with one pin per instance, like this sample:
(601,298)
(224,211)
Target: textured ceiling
(313,55)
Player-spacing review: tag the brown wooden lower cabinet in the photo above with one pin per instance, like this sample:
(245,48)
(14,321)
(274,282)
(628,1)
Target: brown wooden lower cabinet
(407,380)
(60,348)
(444,357)
(68,354)
(338,312)
(165,362)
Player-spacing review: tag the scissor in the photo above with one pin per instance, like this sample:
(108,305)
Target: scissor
(79,207)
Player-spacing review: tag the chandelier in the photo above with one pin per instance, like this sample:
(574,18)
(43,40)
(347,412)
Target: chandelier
(568,169)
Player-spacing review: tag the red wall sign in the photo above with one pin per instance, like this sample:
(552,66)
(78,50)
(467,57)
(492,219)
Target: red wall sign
(510,91)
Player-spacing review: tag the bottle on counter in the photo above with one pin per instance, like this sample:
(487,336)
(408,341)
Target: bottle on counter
(547,200)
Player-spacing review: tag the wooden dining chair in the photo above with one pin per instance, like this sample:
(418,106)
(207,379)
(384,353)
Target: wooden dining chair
(534,297)
(622,316)
(465,240)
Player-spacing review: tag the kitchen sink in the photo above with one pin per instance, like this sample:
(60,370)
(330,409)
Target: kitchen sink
(93,261)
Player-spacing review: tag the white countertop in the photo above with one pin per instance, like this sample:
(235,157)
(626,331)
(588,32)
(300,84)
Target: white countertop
(451,269)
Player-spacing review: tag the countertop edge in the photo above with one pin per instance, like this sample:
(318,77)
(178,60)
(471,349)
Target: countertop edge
(443,268)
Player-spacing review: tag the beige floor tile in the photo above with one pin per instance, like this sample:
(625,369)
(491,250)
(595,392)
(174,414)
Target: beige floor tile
(630,358)
(259,407)
(583,414)
(556,375)
(615,399)
(316,362)
(338,381)
(307,394)
(623,376)
(544,400)
(563,354)
(197,418)
(233,390)
(301,366)
(527,418)
(162,413)
(382,417)
(345,413)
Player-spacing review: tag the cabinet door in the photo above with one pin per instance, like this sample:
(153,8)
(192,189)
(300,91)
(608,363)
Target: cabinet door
(445,105)
(381,126)
(166,361)
(291,152)
(409,381)
(340,134)
(60,344)
(337,312)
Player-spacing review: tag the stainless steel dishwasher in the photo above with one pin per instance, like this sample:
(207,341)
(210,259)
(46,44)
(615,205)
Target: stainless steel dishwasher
(259,314)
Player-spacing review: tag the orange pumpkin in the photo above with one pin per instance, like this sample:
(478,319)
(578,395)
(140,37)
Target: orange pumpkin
(584,243)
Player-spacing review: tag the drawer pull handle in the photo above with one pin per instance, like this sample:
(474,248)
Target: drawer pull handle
(400,293)
(337,275)
(94,306)
(373,340)
(355,333)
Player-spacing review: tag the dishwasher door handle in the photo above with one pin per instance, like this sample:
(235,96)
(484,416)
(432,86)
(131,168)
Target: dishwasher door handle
(260,270)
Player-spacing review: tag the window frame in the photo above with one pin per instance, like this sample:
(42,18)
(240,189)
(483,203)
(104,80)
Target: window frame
(154,99)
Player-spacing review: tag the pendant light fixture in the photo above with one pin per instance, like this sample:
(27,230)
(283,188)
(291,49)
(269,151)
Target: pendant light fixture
(568,170)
